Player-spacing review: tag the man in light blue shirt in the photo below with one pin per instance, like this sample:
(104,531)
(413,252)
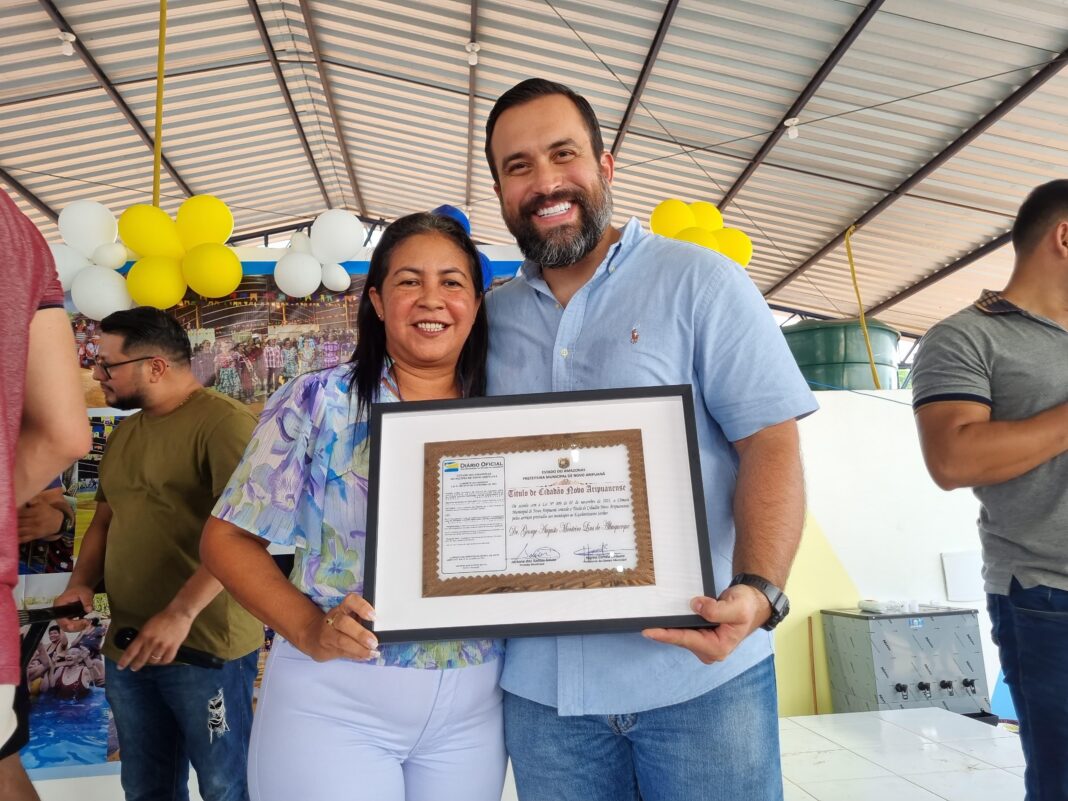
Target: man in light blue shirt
(623,716)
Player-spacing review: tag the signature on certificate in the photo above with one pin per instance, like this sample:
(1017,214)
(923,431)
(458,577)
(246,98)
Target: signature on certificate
(600,553)
(543,554)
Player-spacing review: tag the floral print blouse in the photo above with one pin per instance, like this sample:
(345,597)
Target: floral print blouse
(303,482)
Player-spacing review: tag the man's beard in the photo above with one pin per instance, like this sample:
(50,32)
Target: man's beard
(563,246)
(133,400)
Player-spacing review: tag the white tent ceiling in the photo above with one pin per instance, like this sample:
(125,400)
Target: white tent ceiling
(923,122)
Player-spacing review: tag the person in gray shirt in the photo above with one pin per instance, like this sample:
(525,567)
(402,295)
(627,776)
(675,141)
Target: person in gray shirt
(990,392)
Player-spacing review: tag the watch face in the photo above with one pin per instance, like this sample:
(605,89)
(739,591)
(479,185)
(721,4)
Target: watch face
(784,607)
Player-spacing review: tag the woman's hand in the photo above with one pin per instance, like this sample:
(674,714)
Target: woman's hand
(339,634)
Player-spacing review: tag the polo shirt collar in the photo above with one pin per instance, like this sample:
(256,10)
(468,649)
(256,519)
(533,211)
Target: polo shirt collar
(993,302)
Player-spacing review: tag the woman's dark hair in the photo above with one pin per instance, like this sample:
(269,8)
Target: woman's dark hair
(370,355)
(148,328)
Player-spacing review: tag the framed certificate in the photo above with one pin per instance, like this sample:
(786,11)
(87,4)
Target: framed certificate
(562,513)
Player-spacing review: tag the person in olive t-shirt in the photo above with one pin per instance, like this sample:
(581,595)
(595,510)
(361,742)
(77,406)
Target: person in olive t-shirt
(162,472)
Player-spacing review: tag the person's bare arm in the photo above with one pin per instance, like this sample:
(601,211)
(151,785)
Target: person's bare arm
(248,572)
(769,511)
(15,785)
(769,503)
(55,427)
(963,447)
(45,516)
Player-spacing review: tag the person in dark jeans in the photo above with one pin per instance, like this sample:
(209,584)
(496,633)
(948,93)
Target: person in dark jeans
(161,473)
(990,390)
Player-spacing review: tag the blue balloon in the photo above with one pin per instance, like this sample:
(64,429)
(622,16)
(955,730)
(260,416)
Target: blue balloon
(487,270)
(456,214)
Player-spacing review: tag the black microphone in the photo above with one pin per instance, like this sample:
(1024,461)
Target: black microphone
(190,656)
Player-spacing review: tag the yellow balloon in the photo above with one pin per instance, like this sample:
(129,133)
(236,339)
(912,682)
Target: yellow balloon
(671,216)
(699,236)
(212,270)
(149,231)
(705,214)
(204,218)
(736,245)
(156,281)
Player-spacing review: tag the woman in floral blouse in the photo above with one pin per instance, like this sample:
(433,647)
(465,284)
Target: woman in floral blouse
(340,715)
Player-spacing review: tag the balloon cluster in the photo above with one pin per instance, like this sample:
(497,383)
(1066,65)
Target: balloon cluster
(188,252)
(702,224)
(169,256)
(336,236)
(88,258)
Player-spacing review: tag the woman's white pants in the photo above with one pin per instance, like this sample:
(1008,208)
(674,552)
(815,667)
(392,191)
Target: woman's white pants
(343,730)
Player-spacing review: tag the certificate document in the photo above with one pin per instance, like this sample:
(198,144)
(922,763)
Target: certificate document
(529,513)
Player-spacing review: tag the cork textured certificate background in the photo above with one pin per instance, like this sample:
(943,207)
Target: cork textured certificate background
(640,575)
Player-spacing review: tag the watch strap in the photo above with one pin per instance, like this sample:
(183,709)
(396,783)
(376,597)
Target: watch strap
(780,604)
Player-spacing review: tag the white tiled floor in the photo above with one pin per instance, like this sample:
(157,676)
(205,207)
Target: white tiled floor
(903,755)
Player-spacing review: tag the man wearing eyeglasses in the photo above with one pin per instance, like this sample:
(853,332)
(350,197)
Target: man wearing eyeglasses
(162,471)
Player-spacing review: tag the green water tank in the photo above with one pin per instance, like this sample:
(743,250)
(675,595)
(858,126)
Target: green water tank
(831,353)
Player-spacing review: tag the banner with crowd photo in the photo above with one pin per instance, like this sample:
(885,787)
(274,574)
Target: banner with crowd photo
(249,343)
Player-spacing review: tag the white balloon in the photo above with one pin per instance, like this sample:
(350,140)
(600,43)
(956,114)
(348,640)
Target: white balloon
(98,291)
(111,255)
(298,274)
(336,235)
(300,242)
(69,263)
(336,278)
(85,225)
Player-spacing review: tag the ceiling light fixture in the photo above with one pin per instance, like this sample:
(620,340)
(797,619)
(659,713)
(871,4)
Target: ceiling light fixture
(67,42)
(472,49)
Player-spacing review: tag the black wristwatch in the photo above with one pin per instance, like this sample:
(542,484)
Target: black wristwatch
(780,604)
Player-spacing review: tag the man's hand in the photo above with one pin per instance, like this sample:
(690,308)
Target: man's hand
(75,593)
(158,641)
(339,634)
(740,611)
(42,517)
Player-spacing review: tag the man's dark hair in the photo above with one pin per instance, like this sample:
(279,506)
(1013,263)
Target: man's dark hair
(148,328)
(532,89)
(370,355)
(1046,206)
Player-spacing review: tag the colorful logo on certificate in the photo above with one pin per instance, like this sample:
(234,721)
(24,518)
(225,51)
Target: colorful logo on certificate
(452,467)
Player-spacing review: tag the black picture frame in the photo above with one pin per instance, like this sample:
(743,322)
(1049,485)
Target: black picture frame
(391,428)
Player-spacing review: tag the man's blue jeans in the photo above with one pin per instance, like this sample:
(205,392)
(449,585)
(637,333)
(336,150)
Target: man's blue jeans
(1030,628)
(169,716)
(721,746)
